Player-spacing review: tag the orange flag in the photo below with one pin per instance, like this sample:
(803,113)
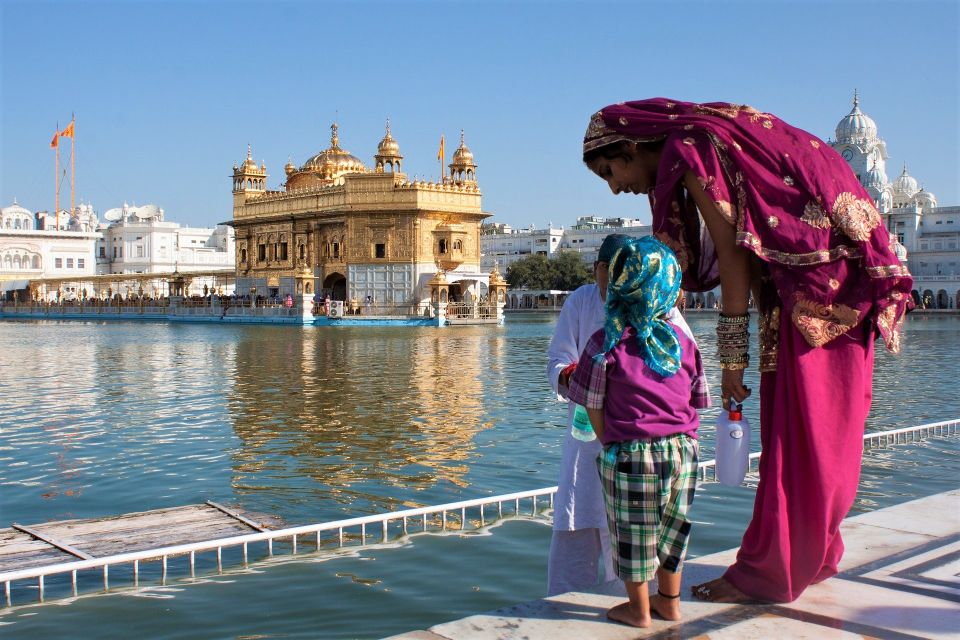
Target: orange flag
(54,143)
(440,154)
(68,132)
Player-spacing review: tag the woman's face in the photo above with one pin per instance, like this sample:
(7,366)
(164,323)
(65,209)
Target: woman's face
(633,171)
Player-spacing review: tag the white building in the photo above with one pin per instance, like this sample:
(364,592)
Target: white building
(586,236)
(929,235)
(31,246)
(507,245)
(139,240)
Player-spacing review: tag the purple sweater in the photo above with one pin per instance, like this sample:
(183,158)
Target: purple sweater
(637,403)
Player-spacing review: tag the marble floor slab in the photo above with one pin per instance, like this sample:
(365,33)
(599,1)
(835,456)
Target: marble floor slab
(899,579)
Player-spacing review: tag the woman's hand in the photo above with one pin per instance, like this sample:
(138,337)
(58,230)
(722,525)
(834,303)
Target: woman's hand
(731,385)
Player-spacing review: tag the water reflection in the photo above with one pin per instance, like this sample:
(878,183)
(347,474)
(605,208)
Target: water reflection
(314,424)
(355,412)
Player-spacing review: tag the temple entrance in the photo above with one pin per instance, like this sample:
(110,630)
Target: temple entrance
(456,292)
(336,284)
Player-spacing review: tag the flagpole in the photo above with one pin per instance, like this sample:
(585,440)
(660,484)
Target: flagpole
(442,158)
(56,181)
(73,166)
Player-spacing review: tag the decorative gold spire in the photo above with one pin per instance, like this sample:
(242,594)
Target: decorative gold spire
(334,137)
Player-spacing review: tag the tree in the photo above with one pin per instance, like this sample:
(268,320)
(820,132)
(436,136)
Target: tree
(568,271)
(532,272)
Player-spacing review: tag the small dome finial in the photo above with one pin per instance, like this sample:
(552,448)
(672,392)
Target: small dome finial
(249,152)
(334,136)
(461,137)
(856,98)
(388,125)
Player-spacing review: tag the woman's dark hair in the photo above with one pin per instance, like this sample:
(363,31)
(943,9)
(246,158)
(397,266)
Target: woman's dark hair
(621,149)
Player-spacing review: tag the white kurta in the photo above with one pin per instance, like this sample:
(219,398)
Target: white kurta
(579,500)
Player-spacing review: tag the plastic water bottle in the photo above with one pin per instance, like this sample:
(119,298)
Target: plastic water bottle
(582,430)
(733,446)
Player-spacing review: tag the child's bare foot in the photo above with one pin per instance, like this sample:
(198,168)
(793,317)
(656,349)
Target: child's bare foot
(626,614)
(667,608)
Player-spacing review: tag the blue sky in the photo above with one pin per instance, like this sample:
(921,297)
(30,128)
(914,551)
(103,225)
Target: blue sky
(168,94)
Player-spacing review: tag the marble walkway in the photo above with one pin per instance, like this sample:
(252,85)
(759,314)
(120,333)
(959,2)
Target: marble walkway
(899,579)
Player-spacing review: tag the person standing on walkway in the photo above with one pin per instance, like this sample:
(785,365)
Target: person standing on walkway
(580,545)
(786,217)
(641,380)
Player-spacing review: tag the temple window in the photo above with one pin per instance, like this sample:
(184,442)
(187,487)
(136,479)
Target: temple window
(336,249)
(261,252)
(380,250)
(443,246)
(283,251)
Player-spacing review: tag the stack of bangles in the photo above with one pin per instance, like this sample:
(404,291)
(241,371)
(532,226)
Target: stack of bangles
(733,338)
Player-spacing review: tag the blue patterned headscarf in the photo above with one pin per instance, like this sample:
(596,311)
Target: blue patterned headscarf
(643,287)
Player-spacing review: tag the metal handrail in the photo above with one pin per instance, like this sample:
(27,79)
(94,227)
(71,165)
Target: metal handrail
(876,439)
(707,471)
(291,533)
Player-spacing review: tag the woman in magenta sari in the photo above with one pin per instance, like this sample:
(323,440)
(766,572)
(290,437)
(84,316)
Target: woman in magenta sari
(785,218)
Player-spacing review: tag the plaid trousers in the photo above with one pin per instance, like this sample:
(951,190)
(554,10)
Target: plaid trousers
(648,487)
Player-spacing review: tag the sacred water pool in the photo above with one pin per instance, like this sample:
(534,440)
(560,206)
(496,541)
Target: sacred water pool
(310,425)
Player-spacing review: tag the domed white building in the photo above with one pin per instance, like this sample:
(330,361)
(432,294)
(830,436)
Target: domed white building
(926,236)
(16,217)
(139,240)
(31,247)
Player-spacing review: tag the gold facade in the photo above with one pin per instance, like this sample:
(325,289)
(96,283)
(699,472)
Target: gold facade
(335,213)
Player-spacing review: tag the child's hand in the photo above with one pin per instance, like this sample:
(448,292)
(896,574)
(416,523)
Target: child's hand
(566,372)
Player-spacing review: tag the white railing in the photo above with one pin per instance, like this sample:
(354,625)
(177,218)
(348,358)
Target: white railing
(472,310)
(379,310)
(707,471)
(444,517)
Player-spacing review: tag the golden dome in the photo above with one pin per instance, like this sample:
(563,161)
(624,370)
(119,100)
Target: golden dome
(389,145)
(463,155)
(249,166)
(495,277)
(250,163)
(290,168)
(333,161)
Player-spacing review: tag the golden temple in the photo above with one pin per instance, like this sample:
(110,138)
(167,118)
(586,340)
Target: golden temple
(342,230)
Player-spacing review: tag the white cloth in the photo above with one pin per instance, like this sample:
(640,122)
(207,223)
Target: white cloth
(579,500)
(575,558)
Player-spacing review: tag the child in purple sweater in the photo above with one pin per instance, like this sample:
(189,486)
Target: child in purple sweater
(641,380)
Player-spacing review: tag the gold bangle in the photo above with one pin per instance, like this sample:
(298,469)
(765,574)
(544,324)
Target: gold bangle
(734,366)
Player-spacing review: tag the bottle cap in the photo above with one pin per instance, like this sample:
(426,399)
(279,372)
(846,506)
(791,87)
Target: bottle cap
(736,412)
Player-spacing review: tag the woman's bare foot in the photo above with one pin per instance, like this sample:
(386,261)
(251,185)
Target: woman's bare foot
(666,608)
(626,614)
(720,590)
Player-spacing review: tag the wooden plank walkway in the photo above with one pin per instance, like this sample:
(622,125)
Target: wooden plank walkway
(50,543)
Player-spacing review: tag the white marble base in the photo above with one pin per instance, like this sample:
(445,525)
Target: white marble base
(899,578)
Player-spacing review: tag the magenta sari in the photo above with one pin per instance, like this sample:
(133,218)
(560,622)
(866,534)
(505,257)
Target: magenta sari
(830,282)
